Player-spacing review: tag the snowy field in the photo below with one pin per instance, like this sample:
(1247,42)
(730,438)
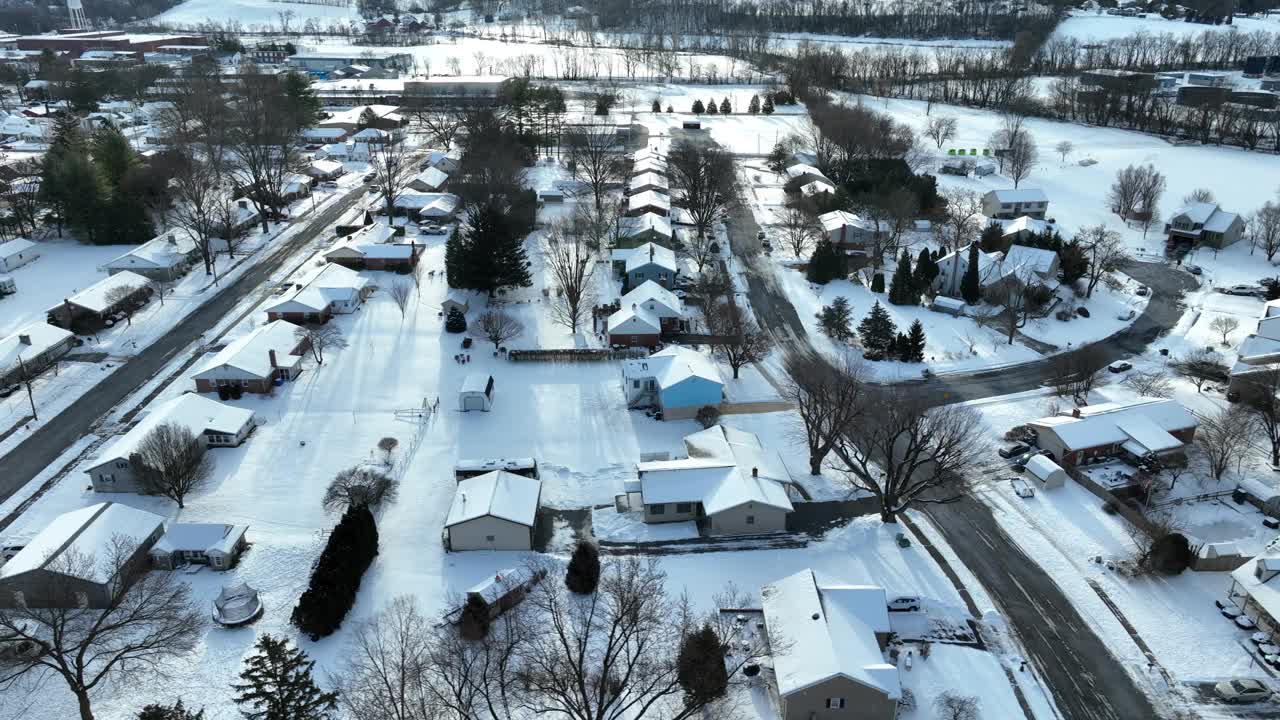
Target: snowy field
(251,13)
(64,268)
(1094,27)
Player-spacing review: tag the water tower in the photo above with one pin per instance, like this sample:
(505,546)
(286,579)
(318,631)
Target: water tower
(75,8)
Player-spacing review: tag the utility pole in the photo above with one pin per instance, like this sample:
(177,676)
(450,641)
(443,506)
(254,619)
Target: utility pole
(26,380)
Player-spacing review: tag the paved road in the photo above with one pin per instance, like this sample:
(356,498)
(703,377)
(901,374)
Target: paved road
(1086,680)
(45,445)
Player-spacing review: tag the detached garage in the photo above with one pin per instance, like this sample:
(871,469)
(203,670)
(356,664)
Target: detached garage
(476,393)
(494,511)
(1046,472)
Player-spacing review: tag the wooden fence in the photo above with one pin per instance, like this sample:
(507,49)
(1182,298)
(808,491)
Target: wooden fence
(577,355)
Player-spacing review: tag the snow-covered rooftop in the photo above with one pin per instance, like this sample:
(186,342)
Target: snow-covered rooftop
(649,178)
(651,254)
(195,412)
(650,291)
(648,198)
(802,169)
(166,251)
(1146,420)
(432,177)
(1037,260)
(313,293)
(85,533)
(631,226)
(1028,224)
(837,219)
(726,468)
(40,336)
(94,297)
(498,494)
(251,353)
(673,365)
(15,246)
(1265,592)
(634,319)
(199,537)
(1020,195)
(822,632)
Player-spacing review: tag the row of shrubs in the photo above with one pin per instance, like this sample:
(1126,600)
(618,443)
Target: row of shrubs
(352,546)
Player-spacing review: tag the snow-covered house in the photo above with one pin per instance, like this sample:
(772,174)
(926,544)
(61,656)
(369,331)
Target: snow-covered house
(1258,354)
(1010,203)
(656,165)
(649,227)
(431,180)
(1204,223)
(804,174)
(676,380)
(953,266)
(828,642)
(255,361)
(847,231)
(83,558)
(494,511)
(460,300)
(348,151)
(817,187)
(92,306)
(330,289)
(440,207)
(16,253)
(372,136)
(167,257)
(326,170)
(295,186)
(1023,228)
(1255,585)
(648,181)
(1032,264)
(650,261)
(217,545)
(214,424)
(325,135)
(648,202)
(644,314)
(728,483)
(27,352)
(373,247)
(1136,429)
(242,217)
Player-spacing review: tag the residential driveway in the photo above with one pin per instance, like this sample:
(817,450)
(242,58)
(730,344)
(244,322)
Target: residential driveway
(1086,680)
(44,445)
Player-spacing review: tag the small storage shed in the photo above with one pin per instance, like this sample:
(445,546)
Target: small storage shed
(1046,472)
(476,393)
(459,300)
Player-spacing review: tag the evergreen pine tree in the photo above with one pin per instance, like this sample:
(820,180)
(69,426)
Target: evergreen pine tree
(657,106)
(753,107)
(768,104)
(698,107)
(915,343)
(902,289)
(711,107)
(825,264)
(877,283)
(835,319)
(876,331)
(992,238)
(725,107)
(583,574)
(970,288)
(455,265)
(490,255)
(474,620)
(670,109)
(901,349)
(925,273)
(169,712)
(276,684)
(891,350)
(700,668)
(455,321)
(301,99)
(777,159)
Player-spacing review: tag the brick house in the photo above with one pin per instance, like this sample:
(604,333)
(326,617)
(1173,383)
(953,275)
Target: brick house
(1144,427)
(255,361)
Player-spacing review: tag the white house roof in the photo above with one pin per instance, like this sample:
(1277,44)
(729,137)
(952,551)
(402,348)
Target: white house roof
(1265,593)
(1028,224)
(673,365)
(1041,466)
(1020,195)
(1219,221)
(166,251)
(325,167)
(373,241)
(251,353)
(634,319)
(1198,212)
(498,494)
(1021,257)
(801,169)
(651,254)
(94,297)
(648,198)
(371,135)
(417,200)
(14,247)
(837,219)
(649,178)
(475,382)
(650,293)
(649,153)
(725,468)
(649,165)
(321,133)
(631,226)
(432,177)
(87,532)
(1146,420)
(823,632)
(195,412)
(495,586)
(41,335)
(313,293)
(199,537)
(817,187)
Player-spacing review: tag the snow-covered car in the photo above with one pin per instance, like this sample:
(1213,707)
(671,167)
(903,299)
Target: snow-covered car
(1242,290)
(7,390)
(1242,690)
(1142,290)
(1013,450)
(1245,622)
(1229,611)
(905,603)
(433,230)
(1126,315)
(1260,638)
(370,177)
(1269,649)
(1022,488)
(1120,366)
(329,184)
(1193,269)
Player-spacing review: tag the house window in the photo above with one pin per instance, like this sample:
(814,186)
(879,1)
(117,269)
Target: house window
(684,507)
(657,509)
(835,703)
(488,538)
(122,464)
(639,276)
(635,384)
(635,339)
(751,519)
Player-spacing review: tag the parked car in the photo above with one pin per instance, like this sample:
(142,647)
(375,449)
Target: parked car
(1142,290)
(1022,488)
(8,552)
(329,184)
(1242,290)
(1120,366)
(370,177)
(1229,611)
(760,235)
(1013,450)
(1126,315)
(1194,269)
(1242,690)
(7,390)
(433,230)
(905,603)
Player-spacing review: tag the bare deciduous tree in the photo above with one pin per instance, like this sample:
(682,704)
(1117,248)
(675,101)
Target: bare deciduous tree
(442,124)
(705,178)
(1064,149)
(1021,157)
(902,448)
(393,168)
(1105,252)
(1074,374)
(1198,195)
(148,620)
(359,486)
(388,445)
(799,230)
(960,223)
(595,156)
(570,263)
(1200,367)
(951,705)
(498,327)
(386,661)
(1223,437)
(121,299)
(172,461)
(1150,384)
(200,198)
(1264,229)
(400,292)
(320,338)
(941,130)
(1224,325)
(1262,390)
(738,339)
(828,398)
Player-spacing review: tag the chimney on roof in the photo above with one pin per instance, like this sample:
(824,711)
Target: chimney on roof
(1075,412)
(650,251)
(272,355)
(24,339)
(755,472)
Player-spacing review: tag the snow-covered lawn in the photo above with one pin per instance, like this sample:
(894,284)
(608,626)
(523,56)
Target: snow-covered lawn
(64,268)
(1089,26)
(251,13)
